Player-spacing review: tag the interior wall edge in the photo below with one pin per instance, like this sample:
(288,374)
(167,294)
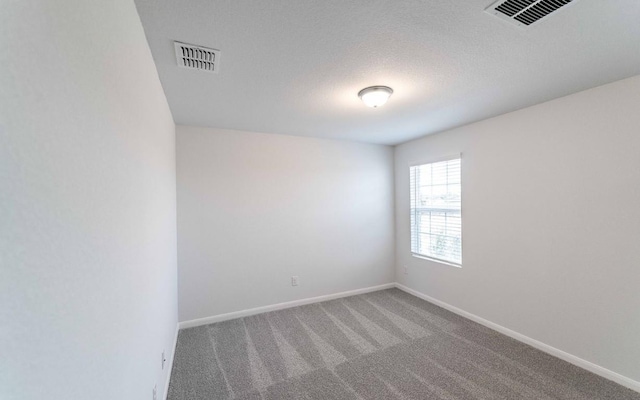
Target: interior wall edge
(280,306)
(169,362)
(563,355)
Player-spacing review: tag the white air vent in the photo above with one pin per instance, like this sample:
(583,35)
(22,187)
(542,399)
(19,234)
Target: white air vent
(196,57)
(525,13)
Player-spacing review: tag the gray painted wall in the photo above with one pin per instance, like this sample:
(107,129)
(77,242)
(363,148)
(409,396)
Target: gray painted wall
(551,222)
(255,209)
(87,204)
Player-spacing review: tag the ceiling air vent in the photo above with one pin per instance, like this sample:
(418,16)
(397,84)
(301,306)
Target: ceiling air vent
(196,57)
(525,13)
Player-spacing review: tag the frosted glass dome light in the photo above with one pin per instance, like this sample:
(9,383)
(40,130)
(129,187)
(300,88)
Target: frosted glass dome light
(375,96)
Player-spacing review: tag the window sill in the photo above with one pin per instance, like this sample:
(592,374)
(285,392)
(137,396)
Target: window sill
(436,260)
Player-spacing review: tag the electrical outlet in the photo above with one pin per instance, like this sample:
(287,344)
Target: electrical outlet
(294,281)
(164,359)
(406,270)
(155,392)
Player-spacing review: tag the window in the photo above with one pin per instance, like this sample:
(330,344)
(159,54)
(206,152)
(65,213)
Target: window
(436,218)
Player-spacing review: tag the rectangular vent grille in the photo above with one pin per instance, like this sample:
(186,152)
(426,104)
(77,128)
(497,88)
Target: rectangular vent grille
(525,13)
(197,57)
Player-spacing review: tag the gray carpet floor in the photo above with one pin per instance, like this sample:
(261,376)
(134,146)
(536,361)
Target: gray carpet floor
(381,345)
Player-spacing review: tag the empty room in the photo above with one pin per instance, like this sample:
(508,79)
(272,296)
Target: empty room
(319,200)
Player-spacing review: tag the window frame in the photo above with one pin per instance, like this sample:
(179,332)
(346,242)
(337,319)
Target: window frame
(435,160)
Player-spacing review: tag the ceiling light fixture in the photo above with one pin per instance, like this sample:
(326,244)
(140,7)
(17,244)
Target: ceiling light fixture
(375,96)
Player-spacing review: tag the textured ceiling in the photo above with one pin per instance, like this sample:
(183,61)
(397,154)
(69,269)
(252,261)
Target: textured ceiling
(295,67)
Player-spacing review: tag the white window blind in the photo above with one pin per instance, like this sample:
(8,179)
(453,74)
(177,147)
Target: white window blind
(436,218)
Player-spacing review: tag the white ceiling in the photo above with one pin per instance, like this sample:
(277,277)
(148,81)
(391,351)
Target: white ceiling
(295,67)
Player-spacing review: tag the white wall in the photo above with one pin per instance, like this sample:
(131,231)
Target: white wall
(551,223)
(255,209)
(87,204)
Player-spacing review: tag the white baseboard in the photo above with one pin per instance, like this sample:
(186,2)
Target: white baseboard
(589,366)
(280,306)
(172,354)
